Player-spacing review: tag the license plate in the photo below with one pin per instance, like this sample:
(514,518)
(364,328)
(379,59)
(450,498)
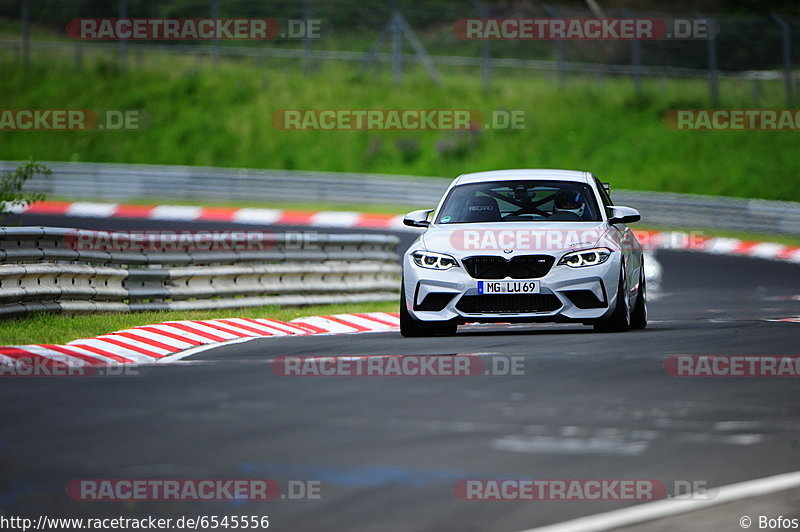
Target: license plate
(508,287)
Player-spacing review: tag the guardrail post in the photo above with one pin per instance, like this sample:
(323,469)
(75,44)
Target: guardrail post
(26,34)
(559,46)
(786,37)
(215,42)
(486,66)
(307,56)
(398,28)
(636,56)
(123,43)
(713,73)
(397,48)
(416,45)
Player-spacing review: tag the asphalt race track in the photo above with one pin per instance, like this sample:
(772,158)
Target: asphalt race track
(388,450)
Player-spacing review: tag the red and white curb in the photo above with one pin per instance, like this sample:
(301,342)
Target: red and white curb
(171,341)
(187,213)
(653,240)
(696,241)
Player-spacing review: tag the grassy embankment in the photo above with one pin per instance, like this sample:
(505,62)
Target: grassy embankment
(222,116)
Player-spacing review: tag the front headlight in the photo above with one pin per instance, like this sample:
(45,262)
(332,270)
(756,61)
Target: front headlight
(433,261)
(586,257)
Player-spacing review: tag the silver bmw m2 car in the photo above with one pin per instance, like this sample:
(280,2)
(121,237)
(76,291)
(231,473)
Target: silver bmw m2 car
(523,246)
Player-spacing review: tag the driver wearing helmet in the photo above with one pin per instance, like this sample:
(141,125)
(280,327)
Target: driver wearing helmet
(569,201)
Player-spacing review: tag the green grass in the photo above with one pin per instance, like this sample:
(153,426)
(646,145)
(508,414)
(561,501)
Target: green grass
(221,116)
(44,328)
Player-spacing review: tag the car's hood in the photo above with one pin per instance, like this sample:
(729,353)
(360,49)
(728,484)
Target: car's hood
(509,239)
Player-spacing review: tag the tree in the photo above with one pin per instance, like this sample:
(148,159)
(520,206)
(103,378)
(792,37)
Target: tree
(12,194)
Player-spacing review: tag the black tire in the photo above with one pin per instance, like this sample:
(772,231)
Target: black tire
(619,320)
(639,314)
(411,328)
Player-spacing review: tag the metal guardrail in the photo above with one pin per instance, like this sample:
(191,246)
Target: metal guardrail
(689,211)
(118,182)
(41,269)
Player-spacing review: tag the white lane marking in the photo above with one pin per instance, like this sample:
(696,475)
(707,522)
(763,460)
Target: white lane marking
(651,511)
(579,446)
(177,357)
(738,425)
(91,209)
(175,212)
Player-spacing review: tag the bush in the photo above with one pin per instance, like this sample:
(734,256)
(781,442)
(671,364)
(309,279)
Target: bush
(11,186)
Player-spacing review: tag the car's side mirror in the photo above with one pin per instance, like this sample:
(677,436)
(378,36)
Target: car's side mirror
(624,215)
(418,218)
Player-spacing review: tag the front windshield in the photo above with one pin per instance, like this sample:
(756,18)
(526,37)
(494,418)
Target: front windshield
(520,201)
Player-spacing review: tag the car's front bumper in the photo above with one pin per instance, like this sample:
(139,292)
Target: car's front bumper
(558,289)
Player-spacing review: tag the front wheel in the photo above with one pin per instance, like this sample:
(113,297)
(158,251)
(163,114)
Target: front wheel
(639,315)
(619,321)
(411,328)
